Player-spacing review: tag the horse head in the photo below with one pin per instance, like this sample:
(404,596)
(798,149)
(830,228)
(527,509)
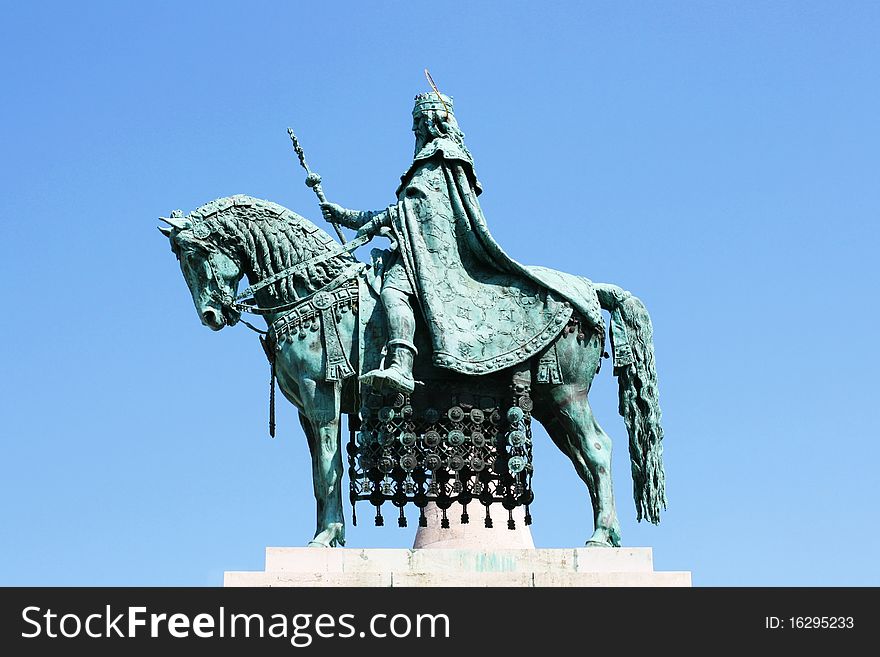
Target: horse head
(227,239)
(211,273)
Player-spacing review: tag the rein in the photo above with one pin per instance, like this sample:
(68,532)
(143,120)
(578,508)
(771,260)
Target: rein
(345,275)
(290,271)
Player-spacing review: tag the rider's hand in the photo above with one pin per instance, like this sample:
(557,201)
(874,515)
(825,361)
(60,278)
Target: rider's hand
(332,212)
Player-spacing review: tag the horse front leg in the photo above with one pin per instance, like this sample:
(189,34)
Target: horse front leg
(320,420)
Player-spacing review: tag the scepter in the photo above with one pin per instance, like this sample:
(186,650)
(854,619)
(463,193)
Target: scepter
(313,180)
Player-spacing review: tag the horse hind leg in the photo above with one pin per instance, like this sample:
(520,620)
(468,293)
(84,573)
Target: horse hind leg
(561,439)
(596,445)
(574,429)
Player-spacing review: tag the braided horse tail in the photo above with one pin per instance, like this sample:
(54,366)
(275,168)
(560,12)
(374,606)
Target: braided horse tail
(632,342)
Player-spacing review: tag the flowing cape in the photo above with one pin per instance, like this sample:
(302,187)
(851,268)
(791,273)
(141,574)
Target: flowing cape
(484,310)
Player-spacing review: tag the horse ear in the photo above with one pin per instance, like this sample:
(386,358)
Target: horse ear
(165,231)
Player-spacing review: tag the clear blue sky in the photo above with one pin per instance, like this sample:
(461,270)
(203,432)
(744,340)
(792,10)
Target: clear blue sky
(719,159)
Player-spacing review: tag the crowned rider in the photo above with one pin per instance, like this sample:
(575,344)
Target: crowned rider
(484,311)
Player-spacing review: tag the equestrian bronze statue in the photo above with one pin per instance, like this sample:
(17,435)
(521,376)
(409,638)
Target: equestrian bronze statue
(441,350)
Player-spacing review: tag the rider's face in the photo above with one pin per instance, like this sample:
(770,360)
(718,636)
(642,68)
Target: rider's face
(421,131)
(418,126)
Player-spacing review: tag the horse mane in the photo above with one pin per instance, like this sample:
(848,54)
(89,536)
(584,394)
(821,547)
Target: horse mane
(268,238)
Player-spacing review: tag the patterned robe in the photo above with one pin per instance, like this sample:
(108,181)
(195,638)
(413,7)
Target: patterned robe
(485,311)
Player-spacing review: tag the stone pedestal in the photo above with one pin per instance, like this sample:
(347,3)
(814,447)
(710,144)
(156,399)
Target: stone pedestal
(458,567)
(475,534)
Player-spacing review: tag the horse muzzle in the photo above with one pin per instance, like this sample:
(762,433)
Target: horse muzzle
(213,319)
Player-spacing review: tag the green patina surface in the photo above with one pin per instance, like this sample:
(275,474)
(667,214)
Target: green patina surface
(329,317)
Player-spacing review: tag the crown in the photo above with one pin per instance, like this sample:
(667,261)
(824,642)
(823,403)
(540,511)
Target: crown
(432,101)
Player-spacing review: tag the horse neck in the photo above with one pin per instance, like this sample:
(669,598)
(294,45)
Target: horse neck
(276,294)
(277,253)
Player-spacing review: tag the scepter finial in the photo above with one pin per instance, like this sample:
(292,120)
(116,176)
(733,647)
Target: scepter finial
(313,180)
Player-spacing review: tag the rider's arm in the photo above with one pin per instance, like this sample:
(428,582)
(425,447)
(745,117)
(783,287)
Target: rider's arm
(371,222)
(355,219)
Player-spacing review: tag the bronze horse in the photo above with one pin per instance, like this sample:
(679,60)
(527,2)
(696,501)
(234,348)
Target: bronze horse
(301,278)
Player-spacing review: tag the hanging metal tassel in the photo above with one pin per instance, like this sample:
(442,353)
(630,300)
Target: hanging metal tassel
(401,521)
(268,345)
(423,519)
(511,523)
(272,400)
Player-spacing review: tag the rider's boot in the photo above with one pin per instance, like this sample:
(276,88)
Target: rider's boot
(397,374)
